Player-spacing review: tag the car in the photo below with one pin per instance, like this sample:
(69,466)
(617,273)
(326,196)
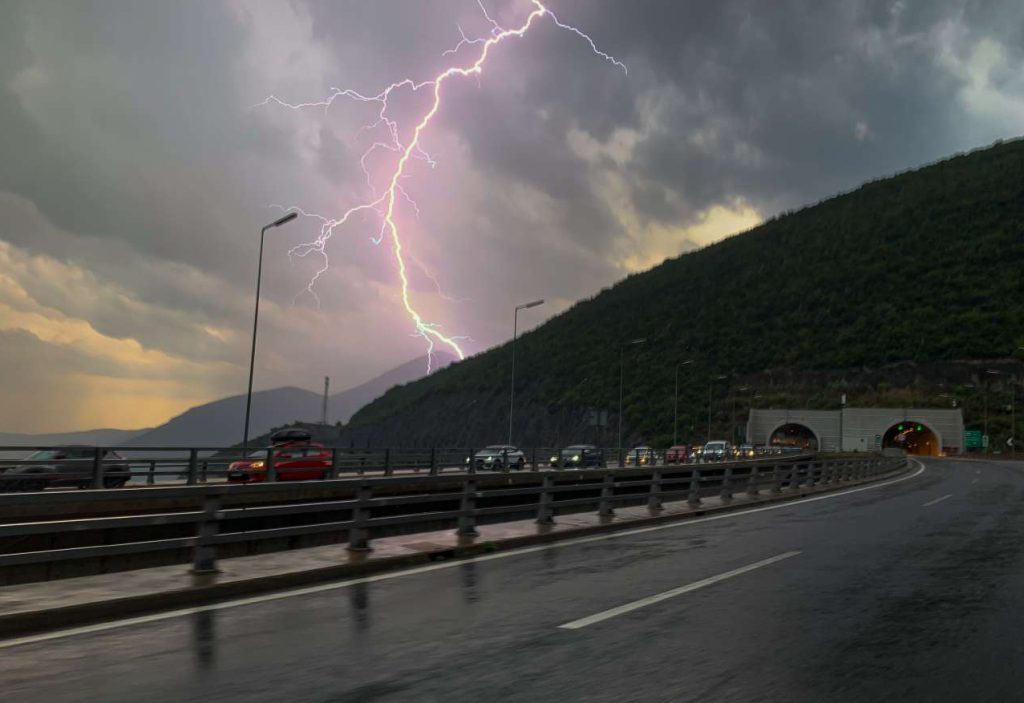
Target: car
(696,452)
(578,456)
(296,458)
(497,456)
(71,466)
(641,456)
(677,454)
(746,451)
(716,450)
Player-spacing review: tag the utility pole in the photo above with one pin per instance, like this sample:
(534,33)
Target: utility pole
(327,388)
(842,408)
(622,352)
(710,385)
(675,404)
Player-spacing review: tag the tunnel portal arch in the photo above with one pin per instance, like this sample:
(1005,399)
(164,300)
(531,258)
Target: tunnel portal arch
(794,434)
(913,437)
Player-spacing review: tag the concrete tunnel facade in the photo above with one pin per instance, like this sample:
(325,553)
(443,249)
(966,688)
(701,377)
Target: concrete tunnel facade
(926,431)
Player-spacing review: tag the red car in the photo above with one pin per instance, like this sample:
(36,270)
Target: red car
(296,459)
(677,454)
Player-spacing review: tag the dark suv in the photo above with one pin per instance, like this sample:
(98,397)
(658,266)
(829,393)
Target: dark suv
(578,456)
(64,466)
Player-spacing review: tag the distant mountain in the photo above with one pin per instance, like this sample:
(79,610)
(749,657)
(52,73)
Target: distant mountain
(219,423)
(101,438)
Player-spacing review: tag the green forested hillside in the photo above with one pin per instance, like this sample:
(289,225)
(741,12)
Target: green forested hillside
(924,266)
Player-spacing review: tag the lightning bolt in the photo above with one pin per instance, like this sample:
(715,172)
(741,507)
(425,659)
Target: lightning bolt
(383,205)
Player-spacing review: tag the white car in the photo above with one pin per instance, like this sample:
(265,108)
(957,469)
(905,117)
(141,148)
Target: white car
(494,458)
(717,450)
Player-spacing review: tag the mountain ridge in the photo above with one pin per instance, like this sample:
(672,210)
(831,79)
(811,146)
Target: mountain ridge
(923,265)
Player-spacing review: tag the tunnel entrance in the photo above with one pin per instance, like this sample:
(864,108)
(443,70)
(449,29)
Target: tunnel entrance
(794,434)
(913,438)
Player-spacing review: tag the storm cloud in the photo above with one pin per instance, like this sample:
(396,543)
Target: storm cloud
(138,161)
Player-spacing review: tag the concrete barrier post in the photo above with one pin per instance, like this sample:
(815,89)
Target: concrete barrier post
(753,484)
(604,508)
(726,492)
(467,521)
(359,534)
(204,555)
(271,468)
(332,472)
(812,467)
(545,512)
(192,476)
(151,476)
(505,468)
(97,468)
(694,497)
(654,498)
(533,462)
(433,461)
(776,480)
(794,475)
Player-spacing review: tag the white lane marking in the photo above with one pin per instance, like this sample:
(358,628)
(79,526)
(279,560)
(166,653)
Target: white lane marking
(651,600)
(937,500)
(184,612)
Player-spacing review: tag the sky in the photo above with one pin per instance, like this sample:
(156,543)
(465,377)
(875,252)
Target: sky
(143,144)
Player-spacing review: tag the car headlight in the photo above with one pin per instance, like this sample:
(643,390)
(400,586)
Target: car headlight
(554,460)
(467,459)
(256,465)
(575,457)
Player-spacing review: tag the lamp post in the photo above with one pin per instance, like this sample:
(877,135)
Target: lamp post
(255,322)
(984,433)
(515,329)
(622,350)
(675,403)
(710,384)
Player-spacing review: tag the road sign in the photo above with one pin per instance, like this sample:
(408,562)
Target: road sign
(984,441)
(972,439)
(1009,442)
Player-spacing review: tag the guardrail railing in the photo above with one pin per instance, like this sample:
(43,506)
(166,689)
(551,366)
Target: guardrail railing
(104,467)
(457,500)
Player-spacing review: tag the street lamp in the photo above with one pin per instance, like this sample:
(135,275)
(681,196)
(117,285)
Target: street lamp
(710,384)
(984,431)
(255,321)
(515,328)
(675,402)
(622,350)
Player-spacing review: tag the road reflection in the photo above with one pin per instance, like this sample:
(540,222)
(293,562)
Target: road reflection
(204,639)
(359,601)
(470,585)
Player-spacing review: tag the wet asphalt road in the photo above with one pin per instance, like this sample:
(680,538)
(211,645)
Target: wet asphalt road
(889,599)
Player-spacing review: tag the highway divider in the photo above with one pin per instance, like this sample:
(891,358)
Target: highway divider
(49,549)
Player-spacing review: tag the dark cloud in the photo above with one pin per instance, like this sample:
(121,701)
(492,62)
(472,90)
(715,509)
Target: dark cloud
(138,160)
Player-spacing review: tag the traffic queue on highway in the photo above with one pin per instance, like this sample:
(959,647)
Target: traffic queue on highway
(294,456)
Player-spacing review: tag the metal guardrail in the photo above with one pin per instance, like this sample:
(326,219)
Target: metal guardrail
(150,466)
(366,515)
